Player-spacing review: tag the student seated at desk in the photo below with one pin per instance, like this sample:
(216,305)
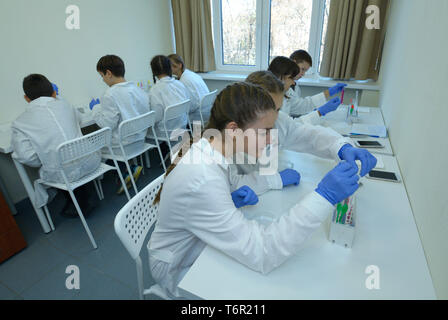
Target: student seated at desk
(122,101)
(198,207)
(36,133)
(295,136)
(288,71)
(194,84)
(164,93)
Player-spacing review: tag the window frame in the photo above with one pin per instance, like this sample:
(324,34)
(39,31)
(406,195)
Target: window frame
(262,37)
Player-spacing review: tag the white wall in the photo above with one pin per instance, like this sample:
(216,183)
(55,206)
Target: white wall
(414,103)
(34,39)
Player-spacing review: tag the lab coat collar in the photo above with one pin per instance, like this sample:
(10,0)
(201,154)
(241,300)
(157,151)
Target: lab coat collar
(40,102)
(166,79)
(121,84)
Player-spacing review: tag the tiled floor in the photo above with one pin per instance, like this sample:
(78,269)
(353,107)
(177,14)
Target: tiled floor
(39,271)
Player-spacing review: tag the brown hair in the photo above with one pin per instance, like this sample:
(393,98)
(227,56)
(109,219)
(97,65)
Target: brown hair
(112,63)
(242,103)
(178,59)
(267,80)
(283,66)
(300,56)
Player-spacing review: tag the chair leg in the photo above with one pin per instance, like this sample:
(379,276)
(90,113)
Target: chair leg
(143,165)
(131,176)
(121,179)
(101,189)
(138,264)
(84,223)
(148,163)
(50,221)
(97,189)
(161,157)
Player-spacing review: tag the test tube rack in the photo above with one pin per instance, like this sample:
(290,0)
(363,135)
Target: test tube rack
(343,223)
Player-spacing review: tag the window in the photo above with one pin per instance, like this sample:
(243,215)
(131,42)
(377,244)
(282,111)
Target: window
(249,34)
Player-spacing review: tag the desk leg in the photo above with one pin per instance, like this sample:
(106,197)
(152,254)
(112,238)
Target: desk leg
(30,191)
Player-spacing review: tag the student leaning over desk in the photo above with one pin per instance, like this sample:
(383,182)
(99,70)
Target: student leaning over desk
(36,134)
(194,84)
(164,93)
(298,136)
(198,208)
(313,107)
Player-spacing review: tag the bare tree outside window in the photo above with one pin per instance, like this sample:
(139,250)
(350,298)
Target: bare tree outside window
(238,32)
(324,30)
(290,26)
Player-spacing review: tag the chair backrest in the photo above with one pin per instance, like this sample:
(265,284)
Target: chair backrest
(134,220)
(84,146)
(177,110)
(208,100)
(136,125)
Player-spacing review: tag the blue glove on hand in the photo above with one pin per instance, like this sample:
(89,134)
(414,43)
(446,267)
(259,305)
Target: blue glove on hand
(244,196)
(93,103)
(330,106)
(290,176)
(340,183)
(336,89)
(55,88)
(351,154)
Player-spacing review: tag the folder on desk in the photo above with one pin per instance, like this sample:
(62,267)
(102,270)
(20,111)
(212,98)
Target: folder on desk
(369,130)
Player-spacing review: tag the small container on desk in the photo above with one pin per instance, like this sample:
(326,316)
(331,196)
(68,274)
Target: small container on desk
(343,222)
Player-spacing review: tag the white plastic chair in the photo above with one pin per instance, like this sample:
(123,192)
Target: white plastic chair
(77,149)
(172,112)
(206,105)
(132,224)
(131,127)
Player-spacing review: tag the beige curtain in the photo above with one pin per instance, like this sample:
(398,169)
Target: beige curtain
(193,32)
(351,50)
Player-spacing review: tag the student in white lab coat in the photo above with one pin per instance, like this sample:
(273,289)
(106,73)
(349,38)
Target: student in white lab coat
(198,206)
(122,101)
(287,71)
(302,105)
(194,84)
(166,92)
(36,133)
(293,135)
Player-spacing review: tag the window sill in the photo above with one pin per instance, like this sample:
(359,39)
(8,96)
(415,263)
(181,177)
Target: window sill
(308,81)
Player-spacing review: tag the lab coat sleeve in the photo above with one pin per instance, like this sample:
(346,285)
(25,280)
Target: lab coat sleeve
(156,105)
(258,183)
(107,113)
(193,95)
(24,151)
(219,224)
(306,138)
(305,105)
(312,118)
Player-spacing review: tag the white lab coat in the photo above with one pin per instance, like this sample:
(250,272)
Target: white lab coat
(36,134)
(167,92)
(295,105)
(122,101)
(295,136)
(196,210)
(197,89)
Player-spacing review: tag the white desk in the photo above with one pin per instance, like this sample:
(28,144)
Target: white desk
(386,236)
(6,148)
(337,121)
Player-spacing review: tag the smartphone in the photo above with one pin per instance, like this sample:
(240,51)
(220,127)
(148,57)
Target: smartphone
(383,175)
(368,144)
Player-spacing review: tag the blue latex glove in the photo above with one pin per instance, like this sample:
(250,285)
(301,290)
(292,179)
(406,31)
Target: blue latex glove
(244,196)
(351,154)
(330,106)
(340,183)
(336,89)
(290,176)
(55,88)
(93,103)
